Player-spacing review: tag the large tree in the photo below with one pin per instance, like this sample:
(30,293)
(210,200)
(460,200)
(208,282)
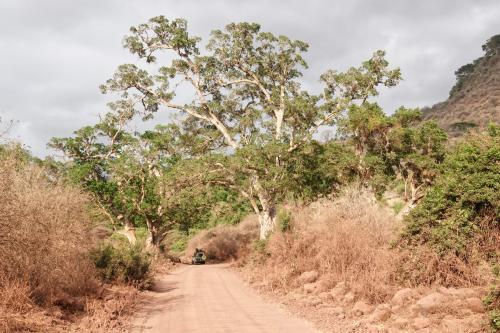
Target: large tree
(242,94)
(122,170)
(399,146)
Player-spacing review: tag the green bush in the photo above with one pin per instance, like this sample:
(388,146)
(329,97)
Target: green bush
(284,220)
(178,240)
(492,300)
(260,246)
(463,205)
(123,263)
(495,320)
(398,206)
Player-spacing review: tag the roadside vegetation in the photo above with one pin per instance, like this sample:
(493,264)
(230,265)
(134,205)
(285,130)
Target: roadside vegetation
(48,281)
(384,204)
(344,240)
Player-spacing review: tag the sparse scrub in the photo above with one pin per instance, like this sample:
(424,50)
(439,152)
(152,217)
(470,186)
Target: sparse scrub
(123,262)
(106,313)
(397,207)
(226,242)
(246,139)
(44,242)
(422,266)
(346,240)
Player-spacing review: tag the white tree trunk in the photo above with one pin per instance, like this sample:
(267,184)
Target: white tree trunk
(267,222)
(152,239)
(149,244)
(267,209)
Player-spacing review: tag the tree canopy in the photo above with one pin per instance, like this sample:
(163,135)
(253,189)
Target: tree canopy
(245,97)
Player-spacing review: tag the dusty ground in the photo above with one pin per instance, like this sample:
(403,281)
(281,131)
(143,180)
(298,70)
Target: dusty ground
(211,299)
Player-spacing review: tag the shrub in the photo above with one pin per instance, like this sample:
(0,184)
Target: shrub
(495,320)
(345,240)
(492,300)
(463,126)
(423,266)
(461,210)
(284,220)
(44,237)
(397,207)
(124,263)
(226,242)
(456,225)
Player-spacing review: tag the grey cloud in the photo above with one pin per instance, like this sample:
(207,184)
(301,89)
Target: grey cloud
(54,54)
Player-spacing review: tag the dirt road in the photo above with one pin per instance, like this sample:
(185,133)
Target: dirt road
(211,299)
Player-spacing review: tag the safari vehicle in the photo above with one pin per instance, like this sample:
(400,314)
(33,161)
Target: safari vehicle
(198,257)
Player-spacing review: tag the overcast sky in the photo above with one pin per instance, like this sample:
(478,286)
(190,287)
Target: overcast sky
(54,54)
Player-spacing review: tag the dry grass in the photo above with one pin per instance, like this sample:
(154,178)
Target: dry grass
(44,237)
(107,312)
(226,242)
(347,240)
(17,311)
(422,266)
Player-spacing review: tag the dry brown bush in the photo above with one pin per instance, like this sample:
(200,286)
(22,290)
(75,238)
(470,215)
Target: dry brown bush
(346,240)
(106,313)
(44,239)
(226,242)
(422,266)
(17,310)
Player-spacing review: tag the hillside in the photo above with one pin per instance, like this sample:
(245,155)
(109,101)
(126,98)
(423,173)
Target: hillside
(474,101)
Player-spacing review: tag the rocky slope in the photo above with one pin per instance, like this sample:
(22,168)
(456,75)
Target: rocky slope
(419,310)
(475,99)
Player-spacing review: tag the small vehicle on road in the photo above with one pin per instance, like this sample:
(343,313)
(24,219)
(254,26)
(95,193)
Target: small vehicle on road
(199,257)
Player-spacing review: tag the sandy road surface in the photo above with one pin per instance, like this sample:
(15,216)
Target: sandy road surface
(211,299)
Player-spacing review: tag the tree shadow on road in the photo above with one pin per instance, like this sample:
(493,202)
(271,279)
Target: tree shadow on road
(160,299)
